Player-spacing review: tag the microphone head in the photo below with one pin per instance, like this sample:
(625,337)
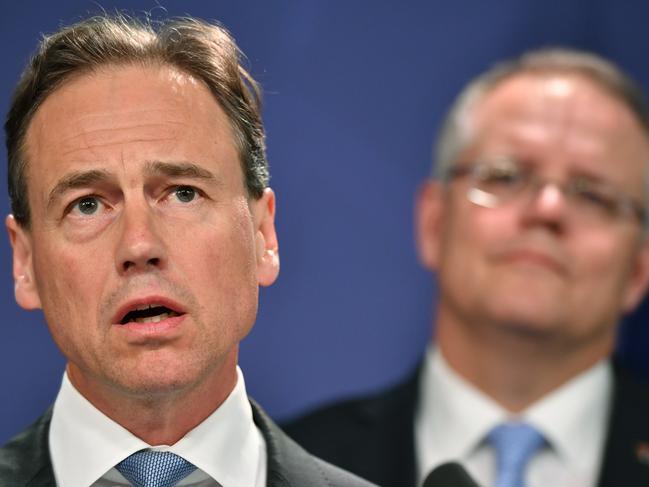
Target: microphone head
(450,474)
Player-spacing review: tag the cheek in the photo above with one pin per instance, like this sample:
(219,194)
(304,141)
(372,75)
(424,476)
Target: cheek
(219,257)
(224,282)
(605,262)
(471,233)
(69,294)
(66,280)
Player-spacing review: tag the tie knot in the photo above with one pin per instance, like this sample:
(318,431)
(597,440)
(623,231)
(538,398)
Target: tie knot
(147,468)
(515,443)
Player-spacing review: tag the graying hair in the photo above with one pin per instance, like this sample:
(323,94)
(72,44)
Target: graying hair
(456,132)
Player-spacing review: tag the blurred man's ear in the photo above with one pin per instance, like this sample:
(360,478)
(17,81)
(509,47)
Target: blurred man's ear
(23,270)
(639,276)
(267,248)
(428,220)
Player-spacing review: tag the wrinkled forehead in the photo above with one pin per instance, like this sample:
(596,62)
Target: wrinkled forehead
(558,100)
(563,112)
(127,113)
(98,98)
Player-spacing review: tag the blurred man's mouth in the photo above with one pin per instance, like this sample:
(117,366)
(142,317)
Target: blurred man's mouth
(534,252)
(534,258)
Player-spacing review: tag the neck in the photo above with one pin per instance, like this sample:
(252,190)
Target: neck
(161,418)
(513,367)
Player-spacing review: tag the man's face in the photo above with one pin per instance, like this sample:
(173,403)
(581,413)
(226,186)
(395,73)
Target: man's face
(532,265)
(144,252)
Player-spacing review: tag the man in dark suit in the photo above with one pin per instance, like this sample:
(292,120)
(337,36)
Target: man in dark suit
(536,226)
(142,226)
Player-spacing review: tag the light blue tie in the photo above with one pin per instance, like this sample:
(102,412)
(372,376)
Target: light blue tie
(148,468)
(515,443)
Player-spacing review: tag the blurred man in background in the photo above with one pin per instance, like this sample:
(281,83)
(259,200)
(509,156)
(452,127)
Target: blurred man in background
(536,227)
(143,226)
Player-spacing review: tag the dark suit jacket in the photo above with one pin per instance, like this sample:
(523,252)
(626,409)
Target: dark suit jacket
(374,436)
(25,460)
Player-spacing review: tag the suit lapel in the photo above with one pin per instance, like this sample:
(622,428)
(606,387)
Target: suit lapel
(41,462)
(285,463)
(626,452)
(44,478)
(27,457)
(391,419)
(288,465)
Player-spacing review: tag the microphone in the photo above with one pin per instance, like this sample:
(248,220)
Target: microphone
(450,474)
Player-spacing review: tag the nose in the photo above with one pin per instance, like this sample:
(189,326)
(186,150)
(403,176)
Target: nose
(547,206)
(140,246)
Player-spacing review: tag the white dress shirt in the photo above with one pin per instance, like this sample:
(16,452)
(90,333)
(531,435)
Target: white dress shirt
(453,418)
(85,445)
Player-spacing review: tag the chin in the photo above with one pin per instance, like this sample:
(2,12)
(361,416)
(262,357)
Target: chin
(530,328)
(164,375)
(154,383)
(527,318)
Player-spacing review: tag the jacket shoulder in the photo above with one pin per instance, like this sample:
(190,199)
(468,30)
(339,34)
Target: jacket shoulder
(350,412)
(290,465)
(626,451)
(334,476)
(372,436)
(357,419)
(24,460)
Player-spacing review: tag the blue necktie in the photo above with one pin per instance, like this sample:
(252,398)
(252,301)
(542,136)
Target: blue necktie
(148,468)
(515,443)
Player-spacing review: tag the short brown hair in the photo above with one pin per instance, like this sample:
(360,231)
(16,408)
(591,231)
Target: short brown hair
(203,50)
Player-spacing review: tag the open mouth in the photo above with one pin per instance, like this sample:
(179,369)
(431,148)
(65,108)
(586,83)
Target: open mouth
(148,313)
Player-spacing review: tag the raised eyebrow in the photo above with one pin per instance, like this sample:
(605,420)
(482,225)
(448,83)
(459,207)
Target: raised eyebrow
(178,169)
(74,180)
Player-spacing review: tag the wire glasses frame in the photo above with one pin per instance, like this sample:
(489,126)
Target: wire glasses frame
(499,181)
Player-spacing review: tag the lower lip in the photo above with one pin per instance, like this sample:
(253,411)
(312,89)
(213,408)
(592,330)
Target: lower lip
(534,259)
(157,329)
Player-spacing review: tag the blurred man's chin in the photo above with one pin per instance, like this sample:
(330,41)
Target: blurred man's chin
(523,316)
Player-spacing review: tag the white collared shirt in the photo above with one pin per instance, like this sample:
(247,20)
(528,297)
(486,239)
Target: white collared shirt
(85,444)
(453,418)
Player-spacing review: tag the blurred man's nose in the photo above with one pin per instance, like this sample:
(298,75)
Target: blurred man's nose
(547,204)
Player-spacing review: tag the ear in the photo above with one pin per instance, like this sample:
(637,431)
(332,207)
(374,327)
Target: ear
(267,250)
(639,276)
(23,270)
(428,221)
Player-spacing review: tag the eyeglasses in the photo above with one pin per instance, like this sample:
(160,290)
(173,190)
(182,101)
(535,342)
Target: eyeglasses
(502,180)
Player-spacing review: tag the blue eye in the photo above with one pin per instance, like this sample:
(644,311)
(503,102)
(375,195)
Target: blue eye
(185,193)
(87,205)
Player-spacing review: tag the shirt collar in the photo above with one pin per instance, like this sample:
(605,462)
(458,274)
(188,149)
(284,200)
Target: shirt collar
(453,409)
(572,418)
(227,445)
